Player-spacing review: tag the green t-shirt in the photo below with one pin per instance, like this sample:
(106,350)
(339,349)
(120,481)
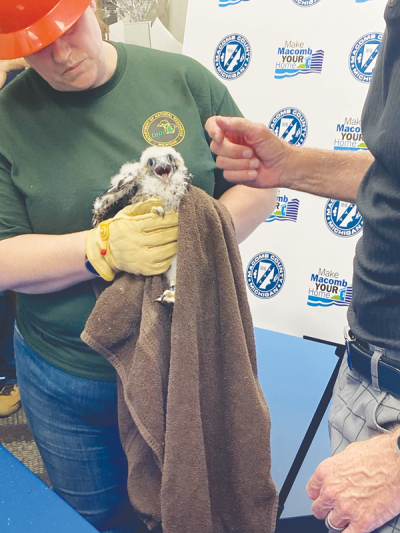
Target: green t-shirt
(58,151)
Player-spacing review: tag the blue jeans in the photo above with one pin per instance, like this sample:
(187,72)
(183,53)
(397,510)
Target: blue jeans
(7,318)
(74,423)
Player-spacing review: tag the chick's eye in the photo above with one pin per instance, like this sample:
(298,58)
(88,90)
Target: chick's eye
(170,159)
(151,162)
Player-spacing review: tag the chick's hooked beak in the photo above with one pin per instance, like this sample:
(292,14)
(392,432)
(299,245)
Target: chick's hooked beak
(164,171)
(163,166)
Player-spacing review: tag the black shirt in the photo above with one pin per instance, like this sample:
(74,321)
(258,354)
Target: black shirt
(375,309)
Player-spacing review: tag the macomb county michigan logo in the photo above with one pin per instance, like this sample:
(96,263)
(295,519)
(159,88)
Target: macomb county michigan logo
(232,57)
(295,58)
(224,3)
(329,289)
(265,275)
(343,219)
(285,210)
(290,124)
(163,129)
(306,3)
(363,56)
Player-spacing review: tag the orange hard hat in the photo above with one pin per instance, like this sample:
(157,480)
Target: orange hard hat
(27,26)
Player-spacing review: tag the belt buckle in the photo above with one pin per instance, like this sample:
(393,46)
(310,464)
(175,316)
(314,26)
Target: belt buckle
(348,337)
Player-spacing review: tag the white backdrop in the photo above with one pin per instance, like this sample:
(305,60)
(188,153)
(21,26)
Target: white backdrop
(303,68)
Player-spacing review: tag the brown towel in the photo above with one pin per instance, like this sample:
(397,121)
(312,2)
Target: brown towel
(193,419)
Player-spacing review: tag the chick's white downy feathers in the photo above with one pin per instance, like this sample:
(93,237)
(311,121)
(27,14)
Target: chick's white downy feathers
(161,173)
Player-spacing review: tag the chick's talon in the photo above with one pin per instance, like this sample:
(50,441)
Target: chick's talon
(168,297)
(159,210)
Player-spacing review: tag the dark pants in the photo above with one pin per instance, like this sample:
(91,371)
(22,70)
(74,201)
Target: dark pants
(7,318)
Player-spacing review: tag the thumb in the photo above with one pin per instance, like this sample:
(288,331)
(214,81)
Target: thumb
(233,124)
(313,487)
(243,131)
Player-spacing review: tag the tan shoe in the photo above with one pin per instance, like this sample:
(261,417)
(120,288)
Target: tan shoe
(10,400)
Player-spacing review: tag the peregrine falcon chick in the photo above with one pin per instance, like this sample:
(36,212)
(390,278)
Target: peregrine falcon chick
(161,173)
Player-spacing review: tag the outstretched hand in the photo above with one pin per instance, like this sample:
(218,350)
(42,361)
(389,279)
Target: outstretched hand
(359,487)
(249,153)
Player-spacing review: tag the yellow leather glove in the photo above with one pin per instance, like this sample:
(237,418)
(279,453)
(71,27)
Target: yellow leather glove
(137,240)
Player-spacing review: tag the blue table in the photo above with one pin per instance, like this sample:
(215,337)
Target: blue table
(293,374)
(27,505)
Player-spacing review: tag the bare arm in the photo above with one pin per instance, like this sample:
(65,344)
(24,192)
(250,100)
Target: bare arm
(36,264)
(327,173)
(252,155)
(248,207)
